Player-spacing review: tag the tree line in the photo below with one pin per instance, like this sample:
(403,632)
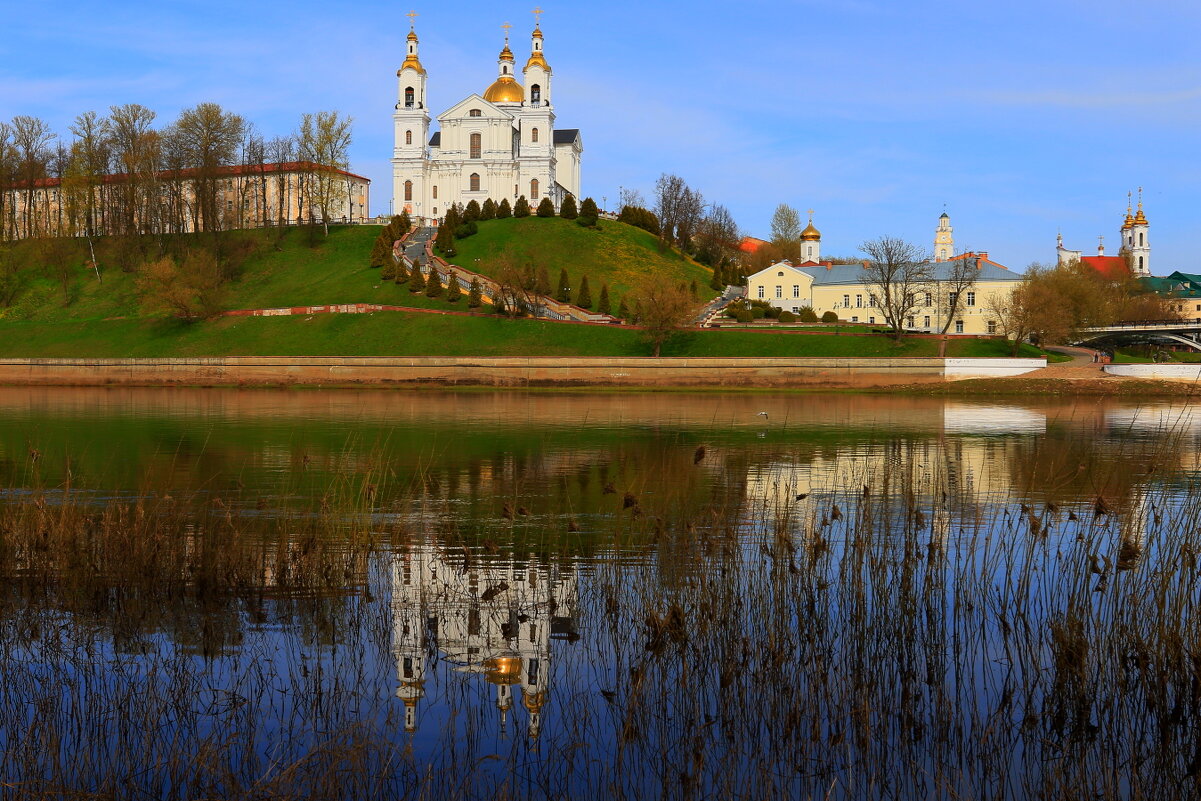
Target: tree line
(116,174)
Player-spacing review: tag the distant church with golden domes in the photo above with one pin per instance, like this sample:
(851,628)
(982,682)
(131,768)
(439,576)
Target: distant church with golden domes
(501,144)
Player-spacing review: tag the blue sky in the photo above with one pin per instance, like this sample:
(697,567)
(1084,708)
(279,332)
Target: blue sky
(1021,117)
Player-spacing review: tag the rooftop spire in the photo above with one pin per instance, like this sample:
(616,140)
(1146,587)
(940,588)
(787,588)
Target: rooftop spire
(1140,218)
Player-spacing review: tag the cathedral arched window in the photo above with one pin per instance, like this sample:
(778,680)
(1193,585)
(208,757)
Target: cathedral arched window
(1140,264)
(409,95)
(1140,239)
(408,190)
(534,189)
(534,135)
(408,137)
(477,145)
(475,182)
(435,193)
(536,93)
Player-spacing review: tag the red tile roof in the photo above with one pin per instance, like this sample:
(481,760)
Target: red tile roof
(222,172)
(750,244)
(1113,267)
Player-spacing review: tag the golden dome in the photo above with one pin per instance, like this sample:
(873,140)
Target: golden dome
(505,90)
(533,701)
(411,63)
(537,59)
(811,234)
(506,54)
(503,670)
(412,36)
(537,31)
(1140,218)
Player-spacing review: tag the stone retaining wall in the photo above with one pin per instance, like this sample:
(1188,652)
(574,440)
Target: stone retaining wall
(633,372)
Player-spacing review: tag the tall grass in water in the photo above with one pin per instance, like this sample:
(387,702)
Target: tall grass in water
(894,635)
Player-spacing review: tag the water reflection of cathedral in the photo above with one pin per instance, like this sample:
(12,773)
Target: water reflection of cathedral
(496,619)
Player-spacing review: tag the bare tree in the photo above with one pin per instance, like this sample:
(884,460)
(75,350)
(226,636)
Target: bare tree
(961,278)
(664,310)
(679,209)
(786,231)
(280,151)
(8,178)
(717,236)
(136,149)
(1012,315)
(91,163)
(895,272)
(632,198)
(324,141)
(31,136)
(209,138)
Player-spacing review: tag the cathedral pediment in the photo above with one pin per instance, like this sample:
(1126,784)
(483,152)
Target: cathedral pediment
(463,109)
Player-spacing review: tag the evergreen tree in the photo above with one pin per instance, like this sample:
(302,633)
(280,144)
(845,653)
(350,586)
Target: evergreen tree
(475,297)
(488,211)
(522,209)
(389,271)
(588,208)
(402,275)
(454,217)
(696,293)
(453,290)
(472,212)
(445,240)
(542,286)
(504,211)
(403,224)
(603,306)
(568,211)
(563,291)
(623,311)
(546,208)
(381,252)
(716,283)
(416,281)
(584,296)
(433,284)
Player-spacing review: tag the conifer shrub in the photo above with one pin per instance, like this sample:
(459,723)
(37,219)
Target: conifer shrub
(475,296)
(584,296)
(603,305)
(640,218)
(829,317)
(787,317)
(588,208)
(504,211)
(416,281)
(522,209)
(388,273)
(472,212)
(563,290)
(568,210)
(623,311)
(445,241)
(807,315)
(381,251)
(542,284)
(433,284)
(453,291)
(400,273)
(469,228)
(488,210)
(546,208)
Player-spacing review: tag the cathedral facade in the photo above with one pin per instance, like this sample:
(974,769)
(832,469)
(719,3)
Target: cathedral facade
(499,144)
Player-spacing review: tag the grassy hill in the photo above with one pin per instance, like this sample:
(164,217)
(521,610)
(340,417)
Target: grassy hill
(615,253)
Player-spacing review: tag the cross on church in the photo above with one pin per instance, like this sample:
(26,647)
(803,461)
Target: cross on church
(810,215)
(538,12)
(506,26)
(412,15)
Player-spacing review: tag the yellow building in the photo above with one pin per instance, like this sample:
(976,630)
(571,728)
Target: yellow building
(841,288)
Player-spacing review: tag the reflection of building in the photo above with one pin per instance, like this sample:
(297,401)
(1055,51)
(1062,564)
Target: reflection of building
(494,618)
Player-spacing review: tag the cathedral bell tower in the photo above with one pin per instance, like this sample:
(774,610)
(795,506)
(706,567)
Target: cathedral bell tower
(411,128)
(944,239)
(1135,234)
(811,243)
(537,72)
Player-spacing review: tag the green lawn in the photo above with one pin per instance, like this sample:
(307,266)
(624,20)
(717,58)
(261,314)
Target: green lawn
(413,334)
(615,253)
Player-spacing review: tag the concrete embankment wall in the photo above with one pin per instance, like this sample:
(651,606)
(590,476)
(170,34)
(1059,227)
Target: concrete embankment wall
(1189,373)
(634,372)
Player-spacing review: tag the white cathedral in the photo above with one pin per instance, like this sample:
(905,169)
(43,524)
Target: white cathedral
(502,144)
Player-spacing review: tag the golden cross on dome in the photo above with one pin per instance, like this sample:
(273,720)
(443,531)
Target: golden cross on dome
(412,15)
(506,26)
(538,12)
(1140,198)
(810,215)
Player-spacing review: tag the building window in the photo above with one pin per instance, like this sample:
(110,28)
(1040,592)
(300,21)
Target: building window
(951,298)
(779,291)
(846,301)
(909,322)
(1140,263)
(859,301)
(475,112)
(408,190)
(409,97)
(435,193)
(760,291)
(408,137)
(477,145)
(871,320)
(534,135)
(475,182)
(536,93)
(871,301)
(435,211)
(929,300)
(855,319)
(796,290)
(971,298)
(992,326)
(959,326)
(926,321)
(534,189)
(1140,239)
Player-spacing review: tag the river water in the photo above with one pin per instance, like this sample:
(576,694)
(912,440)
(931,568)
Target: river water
(482,594)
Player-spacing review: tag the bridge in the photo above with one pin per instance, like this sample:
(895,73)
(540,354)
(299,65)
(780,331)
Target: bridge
(1182,331)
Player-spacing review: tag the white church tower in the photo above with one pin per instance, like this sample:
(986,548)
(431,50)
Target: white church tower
(944,239)
(411,130)
(811,243)
(1135,238)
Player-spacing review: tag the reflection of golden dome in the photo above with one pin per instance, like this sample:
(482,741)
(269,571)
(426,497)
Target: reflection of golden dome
(811,234)
(533,701)
(505,90)
(503,670)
